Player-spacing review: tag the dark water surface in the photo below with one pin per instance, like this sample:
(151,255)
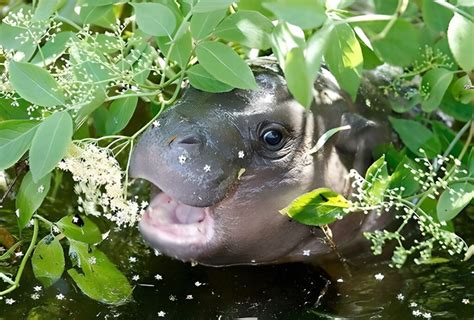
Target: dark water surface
(292,291)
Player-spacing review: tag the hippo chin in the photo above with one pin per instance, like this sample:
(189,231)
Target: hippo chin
(225,164)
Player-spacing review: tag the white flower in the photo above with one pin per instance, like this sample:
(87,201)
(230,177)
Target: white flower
(306,252)
(182,159)
(156,124)
(379,276)
(132,259)
(189,297)
(92,260)
(158,277)
(136,277)
(10,301)
(413,304)
(60,296)
(197,284)
(161,314)
(340,280)
(19,254)
(416,313)
(75,219)
(241,154)
(172,298)
(427,315)
(207,168)
(37,288)
(41,189)
(465,301)
(400,297)
(157,253)
(35,296)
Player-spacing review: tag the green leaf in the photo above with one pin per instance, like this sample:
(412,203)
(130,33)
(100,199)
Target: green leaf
(344,58)
(453,200)
(181,50)
(249,28)
(307,14)
(30,197)
(326,136)
(202,80)
(415,136)
(80,228)
(9,40)
(35,84)
(50,143)
(284,38)
(436,17)
(211,5)
(435,82)
(155,19)
(298,81)
(98,15)
(399,47)
(15,139)
(318,207)
(377,181)
(96,276)
(120,113)
(460,33)
(52,50)
(46,8)
(225,65)
(48,260)
(403,178)
(315,49)
(203,24)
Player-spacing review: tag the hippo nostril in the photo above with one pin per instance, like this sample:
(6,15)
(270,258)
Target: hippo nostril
(191,139)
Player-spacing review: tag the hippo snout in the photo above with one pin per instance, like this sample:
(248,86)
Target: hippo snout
(194,162)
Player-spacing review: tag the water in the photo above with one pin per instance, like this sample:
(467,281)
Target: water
(292,291)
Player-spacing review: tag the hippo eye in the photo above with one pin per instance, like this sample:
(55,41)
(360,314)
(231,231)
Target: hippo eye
(272,137)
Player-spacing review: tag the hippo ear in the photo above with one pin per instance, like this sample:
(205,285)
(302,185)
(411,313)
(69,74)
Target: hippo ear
(360,140)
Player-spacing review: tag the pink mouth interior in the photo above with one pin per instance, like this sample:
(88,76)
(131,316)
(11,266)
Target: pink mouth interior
(169,221)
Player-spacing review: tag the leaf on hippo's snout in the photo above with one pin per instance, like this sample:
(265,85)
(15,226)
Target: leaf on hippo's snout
(318,207)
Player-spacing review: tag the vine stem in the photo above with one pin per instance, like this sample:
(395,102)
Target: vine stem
(402,6)
(25,259)
(328,234)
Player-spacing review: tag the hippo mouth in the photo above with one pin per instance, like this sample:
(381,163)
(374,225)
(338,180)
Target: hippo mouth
(173,226)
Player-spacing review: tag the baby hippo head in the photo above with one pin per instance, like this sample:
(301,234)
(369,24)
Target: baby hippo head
(224,165)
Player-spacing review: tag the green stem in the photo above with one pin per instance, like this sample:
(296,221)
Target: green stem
(364,18)
(455,9)
(402,6)
(69,22)
(25,259)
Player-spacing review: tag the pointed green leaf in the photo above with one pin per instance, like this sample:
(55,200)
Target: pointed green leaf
(35,84)
(15,139)
(318,207)
(344,58)
(453,200)
(120,113)
(50,143)
(377,181)
(30,197)
(96,276)
(155,19)
(202,80)
(249,28)
(460,41)
(48,260)
(435,82)
(203,24)
(80,228)
(225,65)
(298,80)
(415,136)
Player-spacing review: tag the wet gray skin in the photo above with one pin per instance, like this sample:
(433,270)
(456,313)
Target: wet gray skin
(210,212)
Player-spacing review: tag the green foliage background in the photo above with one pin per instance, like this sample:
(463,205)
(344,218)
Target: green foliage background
(77,71)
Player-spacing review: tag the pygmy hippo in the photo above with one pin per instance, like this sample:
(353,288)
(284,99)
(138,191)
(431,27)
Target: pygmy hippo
(226,163)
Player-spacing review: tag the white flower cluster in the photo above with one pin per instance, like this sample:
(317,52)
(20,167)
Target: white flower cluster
(432,179)
(98,179)
(35,30)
